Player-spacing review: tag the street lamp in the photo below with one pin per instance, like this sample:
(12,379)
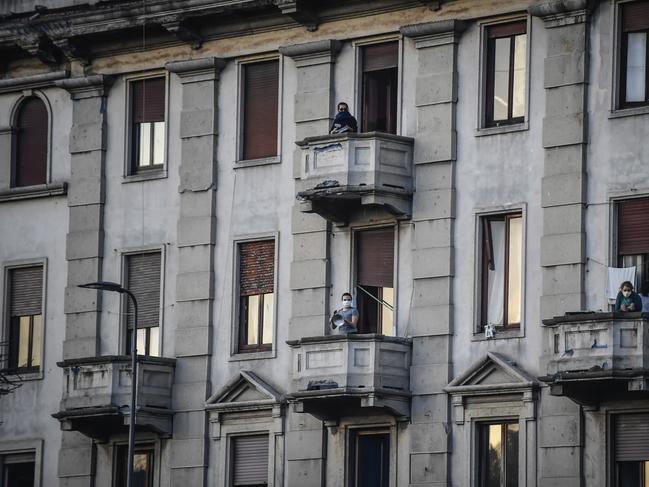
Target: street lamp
(114,287)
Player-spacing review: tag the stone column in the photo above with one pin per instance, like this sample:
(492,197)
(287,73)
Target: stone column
(310,275)
(563,201)
(433,213)
(84,250)
(195,278)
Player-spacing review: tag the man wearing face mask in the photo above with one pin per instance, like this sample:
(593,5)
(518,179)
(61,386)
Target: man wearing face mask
(348,315)
(627,299)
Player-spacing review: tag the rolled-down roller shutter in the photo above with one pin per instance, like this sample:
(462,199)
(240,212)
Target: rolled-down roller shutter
(633,226)
(26,291)
(632,437)
(31,143)
(261,91)
(375,257)
(380,56)
(635,16)
(148,100)
(144,282)
(250,460)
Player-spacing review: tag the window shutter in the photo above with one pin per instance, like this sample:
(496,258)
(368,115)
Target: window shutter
(250,460)
(148,100)
(632,437)
(381,56)
(375,257)
(144,282)
(261,87)
(506,30)
(635,16)
(633,226)
(257,267)
(26,291)
(31,143)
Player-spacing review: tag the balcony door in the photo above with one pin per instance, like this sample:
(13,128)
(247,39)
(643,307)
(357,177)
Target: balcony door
(370,460)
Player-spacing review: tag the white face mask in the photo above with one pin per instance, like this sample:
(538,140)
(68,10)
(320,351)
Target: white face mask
(347,303)
(626,293)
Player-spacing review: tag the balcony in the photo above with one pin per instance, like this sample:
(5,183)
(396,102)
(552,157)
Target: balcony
(345,172)
(97,394)
(335,376)
(589,354)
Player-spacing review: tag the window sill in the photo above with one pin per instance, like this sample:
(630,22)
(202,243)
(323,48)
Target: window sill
(33,192)
(499,335)
(628,112)
(265,161)
(145,176)
(18,376)
(239,356)
(503,129)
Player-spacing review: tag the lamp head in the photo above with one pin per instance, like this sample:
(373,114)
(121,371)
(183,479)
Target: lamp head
(104,286)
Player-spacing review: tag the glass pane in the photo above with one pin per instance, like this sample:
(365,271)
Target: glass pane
(36,341)
(23,341)
(515,274)
(158,142)
(387,323)
(518,95)
(494,456)
(496,277)
(635,66)
(19,474)
(501,78)
(141,469)
(144,155)
(154,341)
(269,303)
(511,455)
(629,474)
(252,322)
(141,341)
(645,468)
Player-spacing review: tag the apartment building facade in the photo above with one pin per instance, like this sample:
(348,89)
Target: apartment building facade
(182,149)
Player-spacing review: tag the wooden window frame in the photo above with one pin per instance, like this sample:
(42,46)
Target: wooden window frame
(490,66)
(622,52)
(259,346)
(481,453)
(120,461)
(352,450)
(14,325)
(484,267)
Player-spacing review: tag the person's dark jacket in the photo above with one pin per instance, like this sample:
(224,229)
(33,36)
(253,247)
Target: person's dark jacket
(633,298)
(344,119)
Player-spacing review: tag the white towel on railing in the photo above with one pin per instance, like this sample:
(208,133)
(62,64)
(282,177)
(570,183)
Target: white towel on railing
(616,276)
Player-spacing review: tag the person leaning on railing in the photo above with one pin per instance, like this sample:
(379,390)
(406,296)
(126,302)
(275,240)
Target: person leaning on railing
(628,299)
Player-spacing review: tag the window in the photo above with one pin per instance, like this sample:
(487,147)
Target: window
(256,295)
(31,140)
(498,455)
(147,124)
(506,73)
(633,239)
(260,108)
(633,55)
(25,318)
(631,450)
(380,71)
(18,470)
(250,461)
(143,280)
(502,269)
(142,466)
(375,280)
(370,458)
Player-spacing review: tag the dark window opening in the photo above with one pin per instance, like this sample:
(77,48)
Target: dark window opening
(506,73)
(147,124)
(18,470)
(502,270)
(31,137)
(631,450)
(370,459)
(634,77)
(375,280)
(256,295)
(260,109)
(498,455)
(380,87)
(250,461)
(143,275)
(142,466)
(633,239)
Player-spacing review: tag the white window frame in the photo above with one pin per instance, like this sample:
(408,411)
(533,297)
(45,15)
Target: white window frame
(240,63)
(481,126)
(128,175)
(4,330)
(28,445)
(357,46)
(477,333)
(235,353)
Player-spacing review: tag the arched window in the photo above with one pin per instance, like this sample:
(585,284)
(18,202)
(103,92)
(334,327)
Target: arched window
(30,164)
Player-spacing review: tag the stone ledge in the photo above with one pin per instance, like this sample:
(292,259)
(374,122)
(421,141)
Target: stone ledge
(433,28)
(325,47)
(32,81)
(33,192)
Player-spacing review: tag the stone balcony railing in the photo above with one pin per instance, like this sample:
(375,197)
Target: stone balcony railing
(345,171)
(97,394)
(339,375)
(585,353)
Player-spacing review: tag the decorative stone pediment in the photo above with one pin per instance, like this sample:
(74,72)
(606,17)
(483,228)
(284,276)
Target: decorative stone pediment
(495,379)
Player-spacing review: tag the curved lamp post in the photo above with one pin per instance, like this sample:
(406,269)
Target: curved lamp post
(114,287)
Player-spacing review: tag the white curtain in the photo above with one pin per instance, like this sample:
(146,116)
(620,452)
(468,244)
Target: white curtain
(496,288)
